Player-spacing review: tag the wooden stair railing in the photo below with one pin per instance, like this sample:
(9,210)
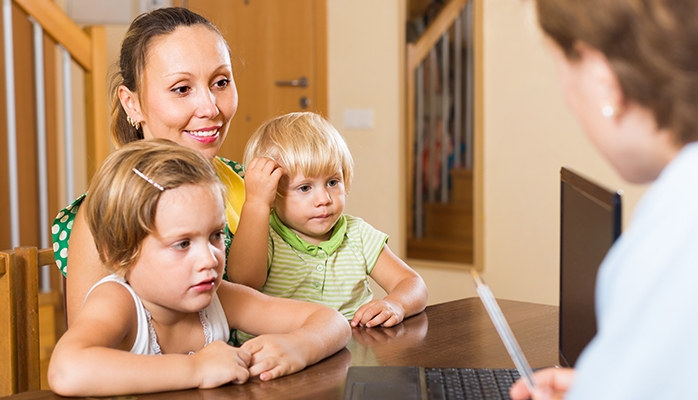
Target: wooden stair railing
(21,342)
(422,54)
(36,122)
(40,26)
(89,49)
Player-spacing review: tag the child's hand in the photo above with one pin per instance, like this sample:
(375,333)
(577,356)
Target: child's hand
(274,356)
(219,363)
(261,181)
(378,312)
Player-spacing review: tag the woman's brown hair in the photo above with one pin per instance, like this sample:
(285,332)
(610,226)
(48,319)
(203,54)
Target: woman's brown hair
(652,46)
(131,63)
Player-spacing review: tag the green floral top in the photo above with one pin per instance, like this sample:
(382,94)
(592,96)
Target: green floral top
(63,223)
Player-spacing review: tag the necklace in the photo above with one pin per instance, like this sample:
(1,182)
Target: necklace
(154,337)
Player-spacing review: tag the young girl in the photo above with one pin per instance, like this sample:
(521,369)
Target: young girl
(156,209)
(315,252)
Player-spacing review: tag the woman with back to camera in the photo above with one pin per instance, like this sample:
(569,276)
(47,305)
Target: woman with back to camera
(174,81)
(629,72)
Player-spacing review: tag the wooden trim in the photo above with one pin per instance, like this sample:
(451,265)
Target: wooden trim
(415,54)
(61,28)
(97,121)
(27,309)
(409,126)
(88,48)
(8,348)
(435,31)
(478,137)
(321,59)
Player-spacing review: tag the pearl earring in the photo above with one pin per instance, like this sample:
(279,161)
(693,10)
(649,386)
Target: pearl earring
(608,110)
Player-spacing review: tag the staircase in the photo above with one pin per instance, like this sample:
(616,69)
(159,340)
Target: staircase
(448,227)
(439,127)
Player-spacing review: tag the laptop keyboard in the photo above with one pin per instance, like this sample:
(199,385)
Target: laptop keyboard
(469,383)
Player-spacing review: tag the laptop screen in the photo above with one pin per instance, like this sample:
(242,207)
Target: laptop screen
(590,221)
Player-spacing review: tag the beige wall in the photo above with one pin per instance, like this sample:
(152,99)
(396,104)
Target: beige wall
(528,135)
(365,72)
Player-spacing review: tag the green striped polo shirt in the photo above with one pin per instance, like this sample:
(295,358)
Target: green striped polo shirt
(337,278)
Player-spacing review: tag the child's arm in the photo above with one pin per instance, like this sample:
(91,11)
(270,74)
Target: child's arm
(92,358)
(85,267)
(407,293)
(247,262)
(292,334)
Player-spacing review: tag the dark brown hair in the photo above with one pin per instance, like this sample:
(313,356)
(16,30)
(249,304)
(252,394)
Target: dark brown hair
(652,46)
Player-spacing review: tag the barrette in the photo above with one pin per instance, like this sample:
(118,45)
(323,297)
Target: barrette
(152,182)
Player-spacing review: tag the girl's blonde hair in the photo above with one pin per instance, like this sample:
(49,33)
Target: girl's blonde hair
(302,143)
(120,205)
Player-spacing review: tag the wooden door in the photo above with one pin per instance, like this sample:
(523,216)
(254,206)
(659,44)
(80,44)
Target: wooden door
(275,44)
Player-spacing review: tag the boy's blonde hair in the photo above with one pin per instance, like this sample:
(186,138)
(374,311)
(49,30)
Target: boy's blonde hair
(302,143)
(120,205)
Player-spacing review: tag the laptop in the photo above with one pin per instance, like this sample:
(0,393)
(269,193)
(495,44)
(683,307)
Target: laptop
(407,383)
(590,218)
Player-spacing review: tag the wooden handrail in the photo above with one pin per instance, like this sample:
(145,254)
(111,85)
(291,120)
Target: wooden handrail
(419,50)
(415,54)
(88,48)
(61,28)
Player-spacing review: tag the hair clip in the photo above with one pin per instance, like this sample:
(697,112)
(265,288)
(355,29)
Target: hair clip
(152,182)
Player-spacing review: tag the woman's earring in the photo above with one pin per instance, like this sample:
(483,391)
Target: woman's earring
(608,110)
(133,123)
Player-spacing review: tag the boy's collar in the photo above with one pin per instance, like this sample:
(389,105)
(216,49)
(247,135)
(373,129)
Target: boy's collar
(290,237)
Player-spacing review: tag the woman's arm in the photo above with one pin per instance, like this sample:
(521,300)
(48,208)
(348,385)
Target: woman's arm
(247,262)
(407,293)
(92,358)
(85,268)
(292,334)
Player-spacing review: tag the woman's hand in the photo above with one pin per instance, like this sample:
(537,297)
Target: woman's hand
(551,383)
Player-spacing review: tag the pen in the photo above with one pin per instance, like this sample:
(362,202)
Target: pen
(504,331)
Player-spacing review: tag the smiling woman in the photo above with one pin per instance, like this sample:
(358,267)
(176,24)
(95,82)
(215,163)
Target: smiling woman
(174,81)
(189,100)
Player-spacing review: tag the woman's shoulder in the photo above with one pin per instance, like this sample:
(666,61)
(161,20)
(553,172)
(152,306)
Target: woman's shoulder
(234,165)
(60,232)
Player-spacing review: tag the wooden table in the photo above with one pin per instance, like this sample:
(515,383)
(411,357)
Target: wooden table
(454,334)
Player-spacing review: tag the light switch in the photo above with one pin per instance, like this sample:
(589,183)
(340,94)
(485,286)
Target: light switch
(358,119)
(100,12)
(149,5)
